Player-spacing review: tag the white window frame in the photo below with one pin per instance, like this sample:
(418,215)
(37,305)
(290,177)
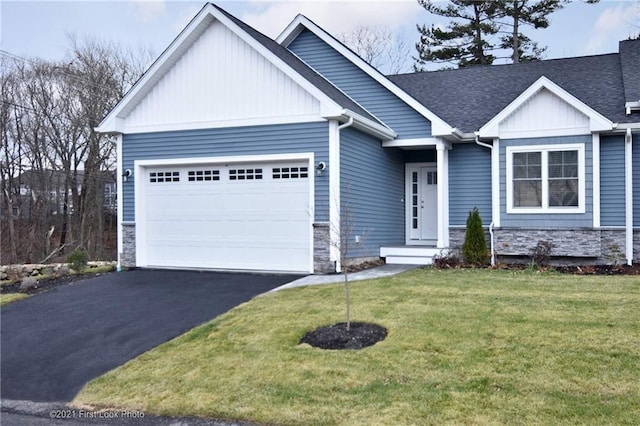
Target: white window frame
(544,150)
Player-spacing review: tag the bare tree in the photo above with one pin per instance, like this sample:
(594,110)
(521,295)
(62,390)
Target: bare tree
(379,47)
(48,115)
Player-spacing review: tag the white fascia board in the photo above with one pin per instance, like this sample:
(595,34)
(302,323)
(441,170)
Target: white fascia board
(170,56)
(632,106)
(438,126)
(598,122)
(114,121)
(407,143)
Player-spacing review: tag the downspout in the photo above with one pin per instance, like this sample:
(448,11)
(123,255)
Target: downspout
(334,182)
(628,173)
(349,123)
(493,252)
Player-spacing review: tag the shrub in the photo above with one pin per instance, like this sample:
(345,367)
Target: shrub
(78,259)
(446,259)
(474,249)
(541,253)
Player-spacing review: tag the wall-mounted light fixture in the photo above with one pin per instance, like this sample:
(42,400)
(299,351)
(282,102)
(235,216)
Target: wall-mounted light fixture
(320,168)
(126,175)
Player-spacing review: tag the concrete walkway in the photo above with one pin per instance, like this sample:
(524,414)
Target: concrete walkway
(367,274)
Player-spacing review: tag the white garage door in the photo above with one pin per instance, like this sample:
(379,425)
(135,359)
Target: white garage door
(238,216)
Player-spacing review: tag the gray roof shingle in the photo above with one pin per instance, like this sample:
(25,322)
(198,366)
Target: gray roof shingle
(468,98)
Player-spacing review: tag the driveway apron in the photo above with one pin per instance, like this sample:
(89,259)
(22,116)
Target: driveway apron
(53,343)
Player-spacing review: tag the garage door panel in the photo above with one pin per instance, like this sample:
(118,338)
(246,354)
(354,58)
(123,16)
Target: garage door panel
(227,220)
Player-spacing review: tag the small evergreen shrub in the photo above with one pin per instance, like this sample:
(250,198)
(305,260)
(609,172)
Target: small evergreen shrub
(474,249)
(78,260)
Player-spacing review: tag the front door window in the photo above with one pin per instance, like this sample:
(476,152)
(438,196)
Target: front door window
(422,197)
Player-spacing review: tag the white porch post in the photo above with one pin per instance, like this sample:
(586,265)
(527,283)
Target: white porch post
(442,157)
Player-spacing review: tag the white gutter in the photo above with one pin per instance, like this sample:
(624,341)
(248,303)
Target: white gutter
(628,189)
(349,123)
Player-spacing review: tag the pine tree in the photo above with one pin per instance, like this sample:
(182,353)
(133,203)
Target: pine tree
(474,249)
(465,40)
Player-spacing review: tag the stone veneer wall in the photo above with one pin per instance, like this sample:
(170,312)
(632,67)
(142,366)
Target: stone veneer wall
(571,246)
(322,263)
(128,255)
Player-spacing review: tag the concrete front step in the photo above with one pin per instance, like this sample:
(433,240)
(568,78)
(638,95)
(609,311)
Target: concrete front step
(409,255)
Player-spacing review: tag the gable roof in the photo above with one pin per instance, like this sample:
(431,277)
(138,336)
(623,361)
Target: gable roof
(469,98)
(340,106)
(439,126)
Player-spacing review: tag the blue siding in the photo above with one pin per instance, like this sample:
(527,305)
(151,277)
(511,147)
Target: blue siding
(612,203)
(469,183)
(555,220)
(255,140)
(360,87)
(636,180)
(372,190)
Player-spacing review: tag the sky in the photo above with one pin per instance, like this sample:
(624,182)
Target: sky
(41,29)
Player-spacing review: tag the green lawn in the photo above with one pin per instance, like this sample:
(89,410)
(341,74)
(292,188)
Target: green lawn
(7,298)
(464,347)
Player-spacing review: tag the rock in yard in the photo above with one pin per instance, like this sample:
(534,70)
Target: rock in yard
(27,283)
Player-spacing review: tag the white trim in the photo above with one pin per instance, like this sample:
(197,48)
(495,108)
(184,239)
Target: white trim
(140,174)
(222,124)
(632,106)
(545,209)
(408,169)
(495,182)
(438,126)
(595,152)
(442,160)
(597,121)
(119,199)
(406,143)
(334,193)
(628,190)
(175,50)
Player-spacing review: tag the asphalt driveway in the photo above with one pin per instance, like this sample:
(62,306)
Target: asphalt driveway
(53,343)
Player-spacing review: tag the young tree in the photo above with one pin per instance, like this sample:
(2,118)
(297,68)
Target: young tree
(466,39)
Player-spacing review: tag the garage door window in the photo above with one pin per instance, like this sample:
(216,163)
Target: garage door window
(159,177)
(290,172)
(245,174)
(203,175)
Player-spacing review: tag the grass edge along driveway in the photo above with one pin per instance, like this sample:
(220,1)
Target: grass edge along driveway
(464,346)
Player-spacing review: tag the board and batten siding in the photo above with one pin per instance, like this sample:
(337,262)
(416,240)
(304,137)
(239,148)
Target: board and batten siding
(221,78)
(548,220)
(238,141)
(469,183)
(372,193)
(370,94)
(612,188)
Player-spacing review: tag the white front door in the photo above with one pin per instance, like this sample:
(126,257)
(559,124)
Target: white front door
(422,203)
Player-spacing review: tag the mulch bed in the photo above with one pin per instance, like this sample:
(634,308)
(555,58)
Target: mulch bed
(336,336)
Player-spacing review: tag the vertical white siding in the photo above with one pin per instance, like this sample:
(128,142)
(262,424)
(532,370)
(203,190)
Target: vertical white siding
(220,78)
(544,112)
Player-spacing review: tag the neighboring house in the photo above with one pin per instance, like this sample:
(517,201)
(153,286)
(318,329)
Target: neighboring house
(50,185)
(244,152)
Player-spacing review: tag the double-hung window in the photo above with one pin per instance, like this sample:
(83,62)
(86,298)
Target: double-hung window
(546,179)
